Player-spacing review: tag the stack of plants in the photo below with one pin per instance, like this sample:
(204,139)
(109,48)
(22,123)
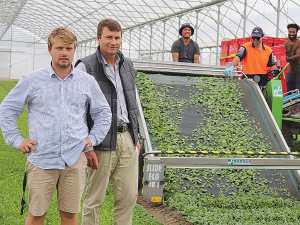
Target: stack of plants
(214,196)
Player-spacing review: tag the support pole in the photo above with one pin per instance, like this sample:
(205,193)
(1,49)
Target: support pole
(179,25)
(33,58)
(278,17)
(163,47)
(140,43)
(245,18)
(150,52)
(218,28)
(196,28)
(10,60)
(129,42)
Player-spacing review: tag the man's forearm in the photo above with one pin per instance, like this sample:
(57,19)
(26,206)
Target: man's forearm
(292,58)
(235,61)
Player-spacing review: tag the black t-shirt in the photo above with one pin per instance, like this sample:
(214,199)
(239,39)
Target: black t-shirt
(186,52)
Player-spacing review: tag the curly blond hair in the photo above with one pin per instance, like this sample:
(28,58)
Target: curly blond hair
(64,34)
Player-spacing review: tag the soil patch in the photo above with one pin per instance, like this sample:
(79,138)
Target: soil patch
(162,213)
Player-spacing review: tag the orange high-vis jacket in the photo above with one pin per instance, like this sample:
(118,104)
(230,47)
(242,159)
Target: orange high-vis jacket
(256,62)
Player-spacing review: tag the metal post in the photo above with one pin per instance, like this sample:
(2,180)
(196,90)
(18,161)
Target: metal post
(163,50)
(140,43)
(129,43)
(33,60)
(150,52)
(196,28)
(121,47)
(218,28)
(179,17)
(278,17)
(11,33)
(245,17)
(90,47)
(85,48)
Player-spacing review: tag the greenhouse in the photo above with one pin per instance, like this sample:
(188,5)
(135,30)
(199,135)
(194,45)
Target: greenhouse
(214,150)
(149,27)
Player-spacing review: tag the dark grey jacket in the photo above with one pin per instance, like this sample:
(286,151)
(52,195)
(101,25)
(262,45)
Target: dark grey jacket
(95,66)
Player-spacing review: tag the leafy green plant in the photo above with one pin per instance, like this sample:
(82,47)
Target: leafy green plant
(222,125)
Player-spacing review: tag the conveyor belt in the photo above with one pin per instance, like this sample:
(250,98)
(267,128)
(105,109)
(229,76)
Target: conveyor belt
(290,100)
(263,121)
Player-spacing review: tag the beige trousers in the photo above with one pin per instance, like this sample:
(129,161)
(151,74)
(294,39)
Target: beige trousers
(68,182)
(121,166)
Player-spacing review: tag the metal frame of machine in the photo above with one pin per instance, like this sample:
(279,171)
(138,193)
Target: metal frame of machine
(154,167)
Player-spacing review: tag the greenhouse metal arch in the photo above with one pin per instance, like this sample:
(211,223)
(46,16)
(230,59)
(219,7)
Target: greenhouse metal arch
(149,27)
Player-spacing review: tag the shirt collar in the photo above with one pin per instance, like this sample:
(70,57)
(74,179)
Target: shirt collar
(264,48)
(52,72)
(117,60)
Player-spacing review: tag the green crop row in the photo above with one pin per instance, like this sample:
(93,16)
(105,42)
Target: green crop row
(240,209)
(223,124)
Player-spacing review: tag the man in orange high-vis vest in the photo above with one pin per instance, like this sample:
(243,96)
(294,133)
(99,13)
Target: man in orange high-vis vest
(257,57)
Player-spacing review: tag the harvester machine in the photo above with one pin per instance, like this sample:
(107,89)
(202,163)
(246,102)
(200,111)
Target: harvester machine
(264,105)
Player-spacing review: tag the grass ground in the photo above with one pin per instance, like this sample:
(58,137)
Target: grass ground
(12,163)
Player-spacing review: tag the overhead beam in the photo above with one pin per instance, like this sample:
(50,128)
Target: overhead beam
(182,12)
(164,18)
(12,20)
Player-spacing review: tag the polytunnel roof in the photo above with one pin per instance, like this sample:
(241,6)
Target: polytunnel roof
(154,18)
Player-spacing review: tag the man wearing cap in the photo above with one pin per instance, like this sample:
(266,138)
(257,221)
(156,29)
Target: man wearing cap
(185,49)
(257,57)
(292,47)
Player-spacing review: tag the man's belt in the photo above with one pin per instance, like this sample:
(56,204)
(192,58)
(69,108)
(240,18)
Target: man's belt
(122,129)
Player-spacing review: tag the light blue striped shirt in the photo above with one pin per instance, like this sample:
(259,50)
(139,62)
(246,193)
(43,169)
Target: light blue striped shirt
(114,76)
(56,115)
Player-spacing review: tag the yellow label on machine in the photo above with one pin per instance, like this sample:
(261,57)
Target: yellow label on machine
(156,199)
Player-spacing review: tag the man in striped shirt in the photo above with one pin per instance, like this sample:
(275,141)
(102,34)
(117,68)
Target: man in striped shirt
(57,98)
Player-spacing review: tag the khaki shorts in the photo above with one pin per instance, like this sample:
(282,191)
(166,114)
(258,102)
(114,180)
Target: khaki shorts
(70,184)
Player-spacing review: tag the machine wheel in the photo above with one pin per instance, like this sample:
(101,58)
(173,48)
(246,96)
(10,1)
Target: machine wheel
(287,134)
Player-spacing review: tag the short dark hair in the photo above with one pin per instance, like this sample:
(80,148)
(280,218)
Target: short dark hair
(111,24)
(293,25)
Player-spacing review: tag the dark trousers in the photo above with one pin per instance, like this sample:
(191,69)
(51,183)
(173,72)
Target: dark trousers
(293,81)
(264,79)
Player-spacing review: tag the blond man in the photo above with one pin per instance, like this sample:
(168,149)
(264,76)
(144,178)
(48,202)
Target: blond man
(57,98)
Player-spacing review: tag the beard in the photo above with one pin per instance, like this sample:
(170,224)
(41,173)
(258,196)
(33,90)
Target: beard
(187,37)
(61,65)
(293,37)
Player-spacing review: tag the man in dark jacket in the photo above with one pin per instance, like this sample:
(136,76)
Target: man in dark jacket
(116,158)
